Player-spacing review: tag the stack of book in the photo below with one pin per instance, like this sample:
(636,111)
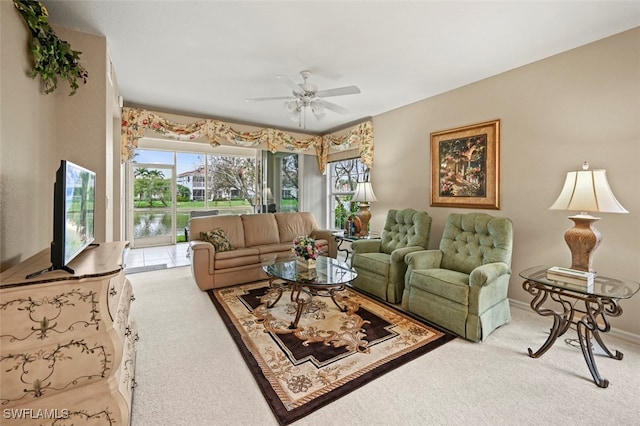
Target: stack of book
(571,276)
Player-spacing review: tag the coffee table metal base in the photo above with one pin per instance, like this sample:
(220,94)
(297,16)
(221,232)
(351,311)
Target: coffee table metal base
(302,294)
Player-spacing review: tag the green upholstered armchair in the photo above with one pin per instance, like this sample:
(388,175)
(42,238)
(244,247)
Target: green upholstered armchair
(463,286)
(380,262)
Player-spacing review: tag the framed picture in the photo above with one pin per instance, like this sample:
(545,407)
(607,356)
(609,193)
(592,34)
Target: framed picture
(465,166)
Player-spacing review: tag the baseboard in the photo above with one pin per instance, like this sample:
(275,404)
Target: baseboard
(620,334)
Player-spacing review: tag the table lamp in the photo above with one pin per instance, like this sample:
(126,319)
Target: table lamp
(585,191)
(268,196)
(364,195)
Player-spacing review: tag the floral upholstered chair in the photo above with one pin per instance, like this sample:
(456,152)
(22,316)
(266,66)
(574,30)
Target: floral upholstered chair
(463,285)
(380,262)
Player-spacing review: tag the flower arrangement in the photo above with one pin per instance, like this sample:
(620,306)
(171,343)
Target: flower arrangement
(305,247)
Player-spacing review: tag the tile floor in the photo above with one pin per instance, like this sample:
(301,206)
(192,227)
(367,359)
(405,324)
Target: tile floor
(159,257)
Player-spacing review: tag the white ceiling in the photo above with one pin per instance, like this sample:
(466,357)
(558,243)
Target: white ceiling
(204,58)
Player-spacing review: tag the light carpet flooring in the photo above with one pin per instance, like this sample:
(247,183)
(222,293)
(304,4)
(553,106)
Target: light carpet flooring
(190,372)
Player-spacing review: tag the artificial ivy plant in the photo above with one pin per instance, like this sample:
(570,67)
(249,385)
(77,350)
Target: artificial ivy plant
(52,57)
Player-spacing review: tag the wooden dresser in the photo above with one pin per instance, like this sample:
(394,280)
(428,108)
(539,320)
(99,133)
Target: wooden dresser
(67,344)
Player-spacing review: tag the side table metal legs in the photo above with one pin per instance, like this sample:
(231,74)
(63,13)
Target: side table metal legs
(596,308)
(346,251)
(589,326)
(561,321)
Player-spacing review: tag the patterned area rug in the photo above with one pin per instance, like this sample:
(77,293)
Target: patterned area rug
(330,354)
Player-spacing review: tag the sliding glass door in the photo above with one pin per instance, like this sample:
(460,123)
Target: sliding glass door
(166,186)
(153,196)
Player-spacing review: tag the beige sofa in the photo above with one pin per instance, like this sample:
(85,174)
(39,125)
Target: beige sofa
(255,238)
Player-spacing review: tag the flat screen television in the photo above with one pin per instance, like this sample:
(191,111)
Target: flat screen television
(74,195)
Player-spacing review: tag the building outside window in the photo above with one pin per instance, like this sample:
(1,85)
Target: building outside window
(193,181)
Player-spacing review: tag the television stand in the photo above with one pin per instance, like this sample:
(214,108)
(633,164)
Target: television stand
(65,268)
(68,340)
(49,269)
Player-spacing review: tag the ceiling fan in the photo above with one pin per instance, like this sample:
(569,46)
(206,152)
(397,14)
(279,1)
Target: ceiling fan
(306,95)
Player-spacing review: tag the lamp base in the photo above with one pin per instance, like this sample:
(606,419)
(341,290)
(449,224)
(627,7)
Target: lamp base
(583,239)
(364,215)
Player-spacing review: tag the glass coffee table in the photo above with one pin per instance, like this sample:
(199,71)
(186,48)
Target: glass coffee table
(326,279)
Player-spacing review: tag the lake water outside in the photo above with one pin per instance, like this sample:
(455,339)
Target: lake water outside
(149,224)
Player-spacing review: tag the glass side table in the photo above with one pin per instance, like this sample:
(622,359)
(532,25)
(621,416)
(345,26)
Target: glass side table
(341,238)
(600,302)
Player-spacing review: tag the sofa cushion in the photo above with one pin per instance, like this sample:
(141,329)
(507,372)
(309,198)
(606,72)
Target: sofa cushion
(275,248)
(218,238)
(259,229)
(235,258)
(292,225)
(230,224)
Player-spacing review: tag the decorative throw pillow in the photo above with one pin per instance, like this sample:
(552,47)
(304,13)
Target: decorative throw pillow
(218,239)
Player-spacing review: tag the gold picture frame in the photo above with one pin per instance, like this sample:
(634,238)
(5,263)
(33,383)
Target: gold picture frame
(465,166)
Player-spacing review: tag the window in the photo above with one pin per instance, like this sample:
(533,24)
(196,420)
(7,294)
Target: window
(288,167)
(344,177)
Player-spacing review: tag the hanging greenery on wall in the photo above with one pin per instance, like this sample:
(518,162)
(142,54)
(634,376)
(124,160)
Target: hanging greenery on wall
(52,57)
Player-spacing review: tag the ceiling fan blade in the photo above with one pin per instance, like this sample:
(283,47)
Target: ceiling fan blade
(333,107)
(292,85)
(270,98)
(347,90)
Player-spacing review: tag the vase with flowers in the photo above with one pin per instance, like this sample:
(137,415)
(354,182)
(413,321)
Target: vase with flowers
(306,251)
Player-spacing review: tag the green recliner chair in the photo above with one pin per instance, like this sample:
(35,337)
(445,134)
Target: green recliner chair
(463,286)
(380,262)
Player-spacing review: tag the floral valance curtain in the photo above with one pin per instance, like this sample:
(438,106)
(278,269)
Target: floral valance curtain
(360,137)
(135,121)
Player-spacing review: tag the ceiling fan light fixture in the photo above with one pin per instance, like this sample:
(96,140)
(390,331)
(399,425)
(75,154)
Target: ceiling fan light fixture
(317,107)
(294,115)
(319,116)
(306,96)
(291,105)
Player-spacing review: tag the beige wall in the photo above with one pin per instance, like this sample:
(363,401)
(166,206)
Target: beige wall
(582,105)
(81,119)
(38,130)
(27,147)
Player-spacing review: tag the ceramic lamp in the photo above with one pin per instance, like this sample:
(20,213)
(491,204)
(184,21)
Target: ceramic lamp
(585,191)
(364,195)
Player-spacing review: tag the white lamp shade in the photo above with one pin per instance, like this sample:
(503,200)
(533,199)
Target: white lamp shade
(364,192)
(587,191)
